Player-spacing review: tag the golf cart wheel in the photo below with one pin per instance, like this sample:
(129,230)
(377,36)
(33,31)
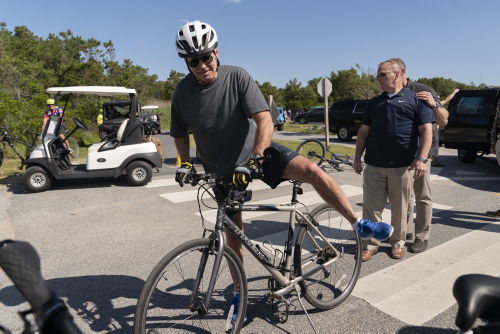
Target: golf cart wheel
(37,179)
(139,173)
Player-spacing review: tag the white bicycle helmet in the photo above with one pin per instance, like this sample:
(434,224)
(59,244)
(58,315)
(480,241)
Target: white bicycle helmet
(195,38)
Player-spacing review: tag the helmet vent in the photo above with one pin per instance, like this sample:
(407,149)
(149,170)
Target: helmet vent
(181,33)
(195,42)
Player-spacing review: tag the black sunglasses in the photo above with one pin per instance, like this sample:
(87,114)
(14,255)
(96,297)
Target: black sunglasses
(205,59)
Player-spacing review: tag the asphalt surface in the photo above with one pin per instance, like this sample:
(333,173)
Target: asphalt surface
(100,239)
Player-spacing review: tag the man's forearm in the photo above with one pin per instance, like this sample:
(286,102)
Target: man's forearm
(425,140)
(182,145)
(264,134)
(441,115)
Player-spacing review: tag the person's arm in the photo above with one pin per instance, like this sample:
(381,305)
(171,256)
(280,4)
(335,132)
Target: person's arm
(494,131)
(363,132)
(265,128)
(182,145)
(425,131)
(440,113)
(44,122)
(449,97)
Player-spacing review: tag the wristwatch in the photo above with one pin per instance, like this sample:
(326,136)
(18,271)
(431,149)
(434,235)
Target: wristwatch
(423,160)
(436,107)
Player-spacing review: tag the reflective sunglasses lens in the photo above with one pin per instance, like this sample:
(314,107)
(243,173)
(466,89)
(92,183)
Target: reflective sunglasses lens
(205,59)
(193,62)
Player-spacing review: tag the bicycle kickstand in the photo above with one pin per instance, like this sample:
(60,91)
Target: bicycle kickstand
(297,288)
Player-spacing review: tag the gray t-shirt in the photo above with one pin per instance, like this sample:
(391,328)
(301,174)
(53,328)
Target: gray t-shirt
(219,115)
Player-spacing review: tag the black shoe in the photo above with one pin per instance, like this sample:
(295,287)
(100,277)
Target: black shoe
(419,246)
(493,213)
(409,236)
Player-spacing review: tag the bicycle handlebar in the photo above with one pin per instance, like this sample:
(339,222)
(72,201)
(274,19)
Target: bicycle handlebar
(21,263)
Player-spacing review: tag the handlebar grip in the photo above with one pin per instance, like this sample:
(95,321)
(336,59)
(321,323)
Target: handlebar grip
(21,263)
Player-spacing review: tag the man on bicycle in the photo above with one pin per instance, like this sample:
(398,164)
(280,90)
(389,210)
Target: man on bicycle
(53,110)
(231,124)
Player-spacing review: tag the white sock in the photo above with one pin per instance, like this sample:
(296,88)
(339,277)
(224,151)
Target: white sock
(355,226)
(235,293)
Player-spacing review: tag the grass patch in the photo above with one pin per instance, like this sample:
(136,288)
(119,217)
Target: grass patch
(9,168)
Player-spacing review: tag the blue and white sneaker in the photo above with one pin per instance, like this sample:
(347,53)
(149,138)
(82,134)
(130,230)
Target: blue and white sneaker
(380,231)
(236,303)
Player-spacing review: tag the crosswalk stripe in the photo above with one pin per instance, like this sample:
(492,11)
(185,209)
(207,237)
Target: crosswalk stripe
(419,288)
(155,183)
(190,195)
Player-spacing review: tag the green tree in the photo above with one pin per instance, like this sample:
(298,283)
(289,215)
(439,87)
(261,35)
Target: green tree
(169,85)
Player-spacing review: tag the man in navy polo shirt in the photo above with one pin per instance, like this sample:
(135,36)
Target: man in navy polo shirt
(396,133)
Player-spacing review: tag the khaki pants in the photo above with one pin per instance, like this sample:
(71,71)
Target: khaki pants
(421,196)
(380,184)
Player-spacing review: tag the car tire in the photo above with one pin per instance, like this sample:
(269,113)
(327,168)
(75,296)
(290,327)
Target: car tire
(154,131)
(139,173)
(302,120)
(37,179)
(344,133)
(466,156)
(280,127)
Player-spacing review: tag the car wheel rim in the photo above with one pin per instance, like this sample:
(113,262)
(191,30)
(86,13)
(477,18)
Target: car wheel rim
(37,180)
(342,133)
(139,174)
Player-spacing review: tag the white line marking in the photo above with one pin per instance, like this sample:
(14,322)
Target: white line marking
(419,288)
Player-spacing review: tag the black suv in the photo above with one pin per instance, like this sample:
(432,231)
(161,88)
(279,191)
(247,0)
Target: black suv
(345,118)
(470,122)
(313,115)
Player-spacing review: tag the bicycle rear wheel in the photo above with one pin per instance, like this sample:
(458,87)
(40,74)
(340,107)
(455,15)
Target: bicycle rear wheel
(312,150)
(164,303)
(74,147)
(329,287)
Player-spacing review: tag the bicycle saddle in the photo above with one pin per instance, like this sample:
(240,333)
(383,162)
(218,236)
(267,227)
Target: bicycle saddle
(478,296)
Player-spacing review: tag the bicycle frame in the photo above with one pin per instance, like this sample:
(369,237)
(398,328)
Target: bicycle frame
(10,141)
(223,221)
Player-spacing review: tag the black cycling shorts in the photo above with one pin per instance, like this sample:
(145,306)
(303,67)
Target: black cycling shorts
(273,170)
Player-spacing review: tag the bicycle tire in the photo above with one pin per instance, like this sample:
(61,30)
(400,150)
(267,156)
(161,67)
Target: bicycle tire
(1,154)
(163,305)
(74,146)
(312,145)
(329,287)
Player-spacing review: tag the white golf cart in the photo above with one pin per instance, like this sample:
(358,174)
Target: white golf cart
(148,112)
(110,158)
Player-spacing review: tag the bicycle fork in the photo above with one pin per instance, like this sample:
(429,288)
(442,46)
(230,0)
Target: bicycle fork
(203,308)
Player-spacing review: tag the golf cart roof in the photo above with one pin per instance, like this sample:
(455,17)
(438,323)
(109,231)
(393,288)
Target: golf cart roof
(92,90)
(150,107)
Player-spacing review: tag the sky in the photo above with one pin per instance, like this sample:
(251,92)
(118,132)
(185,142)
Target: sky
(282,40)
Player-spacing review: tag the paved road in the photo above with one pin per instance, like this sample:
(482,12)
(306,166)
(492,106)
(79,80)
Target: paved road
(99,240)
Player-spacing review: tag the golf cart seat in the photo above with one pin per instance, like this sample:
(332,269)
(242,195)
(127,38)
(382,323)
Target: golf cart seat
(113,143)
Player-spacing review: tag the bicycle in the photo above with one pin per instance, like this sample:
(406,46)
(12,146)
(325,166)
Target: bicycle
(73,145)
(191,288)
(49,314)
(10,141)
(315,151)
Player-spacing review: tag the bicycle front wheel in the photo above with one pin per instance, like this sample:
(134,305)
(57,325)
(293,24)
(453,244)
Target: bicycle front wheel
(164,305)
(330,286)
(312,150)
(74,147)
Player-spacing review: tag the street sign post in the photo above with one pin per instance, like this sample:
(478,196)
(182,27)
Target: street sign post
(325,89)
